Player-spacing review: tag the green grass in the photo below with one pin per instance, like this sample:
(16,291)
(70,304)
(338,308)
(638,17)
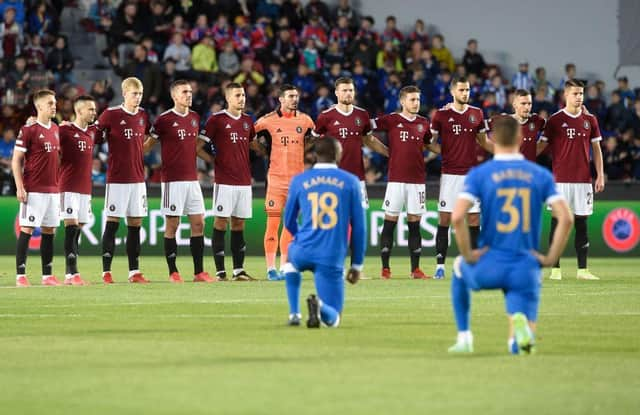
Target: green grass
(223,348)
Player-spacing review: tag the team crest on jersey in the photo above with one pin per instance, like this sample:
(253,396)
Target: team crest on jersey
(472,119)
(56,134)
(193,123)
(245,126)
(621,230)
(586,125)
(298,129)
(358,121)
(420,128)
(141,121)
(532,126)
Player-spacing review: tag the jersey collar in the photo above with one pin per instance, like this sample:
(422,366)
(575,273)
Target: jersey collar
(79,128)
(407,118)
(570,114)
(178,114)
(286,115)
(346,114)
(231,115)
(128,112)
(508,157)
(466,107)
(44,125)
(325,166)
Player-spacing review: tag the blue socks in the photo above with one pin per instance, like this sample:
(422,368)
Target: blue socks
(329,315)
(461,298)
(293,280)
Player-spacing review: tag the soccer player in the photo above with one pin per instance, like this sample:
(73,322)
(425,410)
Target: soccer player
(512,191)
(231,132)
(177,130)
(569,132)
(329,201)
(460,128)
(76,152)
(531,125)
(125,129)
(37,148)
(352,127)
(407,135)
(284,132)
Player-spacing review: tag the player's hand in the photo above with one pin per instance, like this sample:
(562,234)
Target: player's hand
(544,260)
(476,254)
(599,187)
(21,195)
(353,276)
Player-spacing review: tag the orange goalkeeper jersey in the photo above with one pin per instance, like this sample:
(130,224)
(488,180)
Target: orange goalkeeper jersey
(285,135)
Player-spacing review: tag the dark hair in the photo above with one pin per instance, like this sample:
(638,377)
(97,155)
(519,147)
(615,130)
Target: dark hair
(505,130)
(457,79)
(343,80)
(177,83)
(573,83)
(233,85)
(284,88)
(326,149)
(522,92)
(409,89)
(569,66)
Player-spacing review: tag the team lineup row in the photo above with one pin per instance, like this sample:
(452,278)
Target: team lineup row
(47,191)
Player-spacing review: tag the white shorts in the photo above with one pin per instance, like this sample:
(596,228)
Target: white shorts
(126,200)
(412,196)
(579,197)
(182,198)
(365,196)
(75,206)
(451,185)
(41,209)
(230,200)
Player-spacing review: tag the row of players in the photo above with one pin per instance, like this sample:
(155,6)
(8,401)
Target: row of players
(284,134)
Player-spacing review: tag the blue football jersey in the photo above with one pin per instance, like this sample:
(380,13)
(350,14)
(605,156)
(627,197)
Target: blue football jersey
(512,192)
(327,199)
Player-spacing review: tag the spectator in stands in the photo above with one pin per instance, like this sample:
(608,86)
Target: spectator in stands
(634,153)
(613,157)
(18,78)
(475,90)
(102,93)
(160,22)
(285,51)
(391,32)
(343,8)
(268,8)
(341,34)
(203,58)
(126,31)
(60,61)
(255,101)
(626,94)
(542,102)
(540,80)
(260,38)
(242,36)
(294,12)
(178,25)
(310,56)
(34,53)
(228,61)
(522,79)
(274,74)
(6,153)
(199,101)
(10,35)
(318,9)
(367,32)
(497,87)
(419,34)
(595,104)
(152,55)
(473,60)
(441,95)
(334,54)
(389,55)
(490,105)
(635,117)
(323,102)
(17,6)
(442,53)
(315,32)
(335,71)
(392,93)
(144,70)
(248,74)
(364,53)
(618,117)
(306,85)
(98,178)
(222,32)
(180,53)
(569,73)
(200,29)
(41,22)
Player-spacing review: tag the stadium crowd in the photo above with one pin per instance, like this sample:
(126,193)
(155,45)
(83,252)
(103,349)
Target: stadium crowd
(262,44)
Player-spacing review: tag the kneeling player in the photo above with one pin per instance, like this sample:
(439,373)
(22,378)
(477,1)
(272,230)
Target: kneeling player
(330,200)
(513,191)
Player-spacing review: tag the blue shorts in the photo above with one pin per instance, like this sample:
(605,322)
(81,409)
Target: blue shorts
(328,279)
(518,275)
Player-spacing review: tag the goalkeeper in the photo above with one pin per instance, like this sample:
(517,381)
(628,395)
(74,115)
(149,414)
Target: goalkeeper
(328,200)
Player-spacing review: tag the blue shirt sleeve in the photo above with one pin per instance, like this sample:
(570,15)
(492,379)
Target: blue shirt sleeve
(292,208)
(358,225)
(549,191)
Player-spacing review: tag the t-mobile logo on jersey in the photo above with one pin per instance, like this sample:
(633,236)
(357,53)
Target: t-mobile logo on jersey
(233,137)
(571,132)
(182,133)
(48,147)
(342,132)
(404,135)
(82,145)
(456,128)
(128,133)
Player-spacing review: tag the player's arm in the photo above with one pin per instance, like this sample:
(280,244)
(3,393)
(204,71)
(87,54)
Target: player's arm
(149,143)
(262,142)
(202,152)
(375,144)
(291,209)
(485,143)
(16,167)
(599,165)
(560,211)
(433,145)
(540,146)
(358,234)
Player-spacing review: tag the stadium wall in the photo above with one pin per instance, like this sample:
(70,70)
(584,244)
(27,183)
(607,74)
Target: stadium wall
(545,33)
(614,229)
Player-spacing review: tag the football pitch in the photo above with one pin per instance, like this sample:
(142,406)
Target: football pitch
(224,347)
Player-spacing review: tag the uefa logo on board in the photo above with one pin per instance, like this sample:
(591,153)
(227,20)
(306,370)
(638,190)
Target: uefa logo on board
(621,230)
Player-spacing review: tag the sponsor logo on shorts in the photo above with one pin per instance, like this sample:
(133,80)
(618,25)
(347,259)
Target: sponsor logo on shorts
(32,218)
(172,208)
(69,210)
(443,203)
(112,208)
(219,208)
(621,230)
(386,203)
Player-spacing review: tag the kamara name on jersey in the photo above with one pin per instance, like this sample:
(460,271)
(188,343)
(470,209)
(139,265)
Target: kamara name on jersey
(315,181)
(511,174)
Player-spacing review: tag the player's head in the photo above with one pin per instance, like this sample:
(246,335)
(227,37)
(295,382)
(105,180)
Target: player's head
(506,133)
(328,150)
(84,108)
(573,93)
(181,93)
(345,90)
(235,97)
(132,92)
(289,97)
(45,102)
(410,99)
(460,89)
(522,103)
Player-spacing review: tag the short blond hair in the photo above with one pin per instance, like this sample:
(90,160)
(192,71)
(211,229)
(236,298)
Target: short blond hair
(131,83)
